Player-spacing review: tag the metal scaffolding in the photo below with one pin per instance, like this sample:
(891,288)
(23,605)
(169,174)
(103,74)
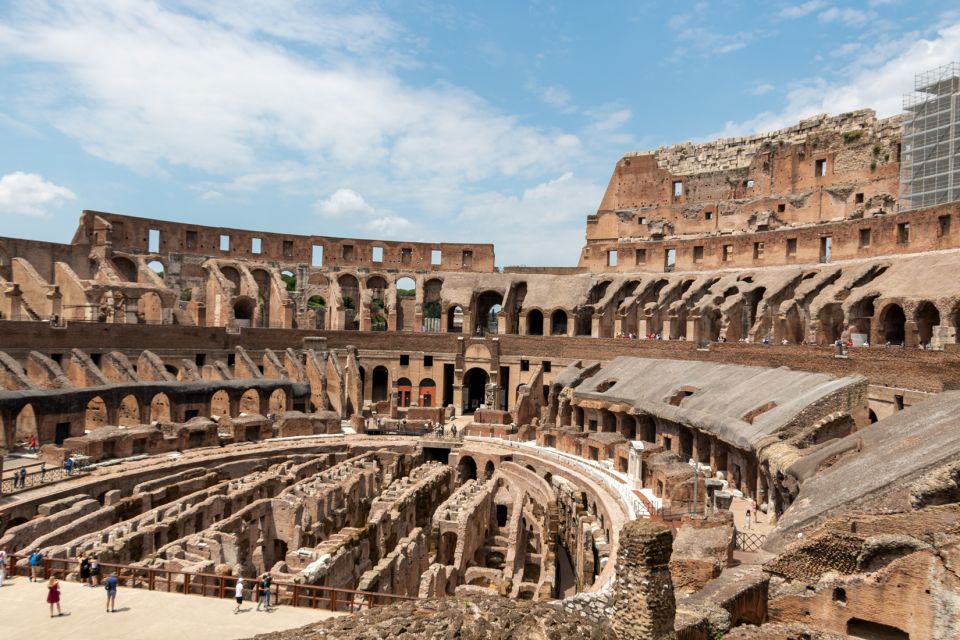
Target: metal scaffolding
(929,163)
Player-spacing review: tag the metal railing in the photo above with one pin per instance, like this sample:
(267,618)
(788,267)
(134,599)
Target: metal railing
(12,482)
(747,540)
(215,586)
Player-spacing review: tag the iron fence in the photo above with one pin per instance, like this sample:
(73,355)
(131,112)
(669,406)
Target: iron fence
(748,541)
(13,482)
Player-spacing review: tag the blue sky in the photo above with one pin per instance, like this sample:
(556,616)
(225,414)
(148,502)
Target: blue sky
(491,121)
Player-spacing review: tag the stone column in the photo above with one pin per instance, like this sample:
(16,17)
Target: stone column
(643,600)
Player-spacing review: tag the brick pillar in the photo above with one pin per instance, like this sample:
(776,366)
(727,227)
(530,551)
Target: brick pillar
(643,601)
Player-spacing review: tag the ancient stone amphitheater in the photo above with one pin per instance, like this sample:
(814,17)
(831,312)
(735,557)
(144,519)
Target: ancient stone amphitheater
(736,417)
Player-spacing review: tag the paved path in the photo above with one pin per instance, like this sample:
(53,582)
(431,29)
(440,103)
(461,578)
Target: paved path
(141,614)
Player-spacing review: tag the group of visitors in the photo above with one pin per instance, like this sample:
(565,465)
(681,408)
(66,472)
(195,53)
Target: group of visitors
(439,429)
(20,476)
(262,590)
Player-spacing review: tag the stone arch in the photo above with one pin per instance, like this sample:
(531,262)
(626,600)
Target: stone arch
(455,319)
(220,403)
(427,392)
(474,388)
(150,308)
(317,307)
(129,412)
(534,322)
(712,324)
(289,280)
(927,317)
(488,470)
(488,304)
(558,323)
(380,388)
(377,285)
(96,414)
(250,401)
(404,392)
(466,469)
(583,325)
(232,275)
(406,288)
(111,307)
(448,547)
(160,408)
(277,401)
(243,311)
(893,324)
(831,323)
(26,426)
(432,304)
(349,290)
(126,268)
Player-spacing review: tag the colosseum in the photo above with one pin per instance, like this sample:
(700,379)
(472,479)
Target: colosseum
(736,417)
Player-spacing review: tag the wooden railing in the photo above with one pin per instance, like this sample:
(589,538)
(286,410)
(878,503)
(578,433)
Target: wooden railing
(214,586)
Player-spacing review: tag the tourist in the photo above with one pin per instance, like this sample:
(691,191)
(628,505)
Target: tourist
(36,559)
(33,444)
(3,566)
(84,570)
(23,477)
(748,518)
(68,466)
(263,591)
(238,594)
(53,595)
(16,480)
(94,572)
(111,586)
(43,470)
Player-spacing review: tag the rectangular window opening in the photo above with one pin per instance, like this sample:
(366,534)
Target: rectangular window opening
(820,168)
(346,252)
(256,245)
(727,252)
(428,361)
(903,233)
(781,208)
(611,258)
(791,246)
(406,255)
(757,250)
(546,366)
(640,256)
(224,242)
(153,245)
(708,215)
(404,360)
(378,254)
(524,365)
(316,256)
(288,248)
(826,248)
(864,238)
(467,259)
(191,239)
(944,226)
(858,198)
(698,253)
(436,257)
(670,260)
(677,188)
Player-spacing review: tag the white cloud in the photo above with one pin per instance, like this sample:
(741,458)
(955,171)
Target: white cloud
(29,194)
(556,97)
(389,226)
(878,79)
(761,89)
(800,10)
(342,203)
(849,17)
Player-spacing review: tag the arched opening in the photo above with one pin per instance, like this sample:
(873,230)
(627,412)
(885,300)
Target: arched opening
(448,547)
(150,308)
(487,306)
(96,414)
(250,401)
(316,311)
(927,317)
(474,388)
(503,512)
(466,469)
(427,392)
(558,323)
(488,470)
(406,303)
(220,404)
(160,408)
(535,322)
(126,268)
(831,323)
(873,416)
(712,323)
(129,413)
(289,280)
(381,383)
(26,426)
(112,307)
(432,305)
(892,324)
(172,370)
(404,391)
(243,311)
(455,319)
(349,299)
(277,402)
(262,278)
(157,267)
(377,286)
(233,277)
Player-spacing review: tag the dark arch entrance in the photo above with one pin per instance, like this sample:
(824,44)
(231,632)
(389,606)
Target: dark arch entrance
(466,469)
(535,323)
(892,323)
(927,318)
(558,323)
(474,388)
(381,382)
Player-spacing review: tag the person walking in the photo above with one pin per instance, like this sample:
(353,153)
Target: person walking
(748,518)
(94,572)
(3,565)
(43,470)
(33,444)
(111,585)
(238,594)
(84,570)
(263,591)
(16,480)
(36,559)
(53,595)
(23,477)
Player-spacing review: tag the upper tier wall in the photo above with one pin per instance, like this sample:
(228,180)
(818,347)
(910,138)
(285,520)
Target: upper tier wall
(129,233)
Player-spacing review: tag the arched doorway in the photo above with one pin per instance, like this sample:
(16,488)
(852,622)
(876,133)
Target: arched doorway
(427,392)
(129,413)
(381,384)
(892,324)
(831,323)
(474,389)
(485,312)
(263,280)
(243,311)
(220,404)
(466,469)
(349,297)
(160,408)
(558,323)
(96,414)
(927,317)
(232,276)
(404,392)
(534,322)
(406,303)
(584,322)
(250,401)
(432,305)
(488,470)
(277,402)
(455,319)
(317,310)
(26,426)
(126,268)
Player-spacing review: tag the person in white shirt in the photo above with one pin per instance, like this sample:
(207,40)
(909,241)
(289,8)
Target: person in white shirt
(238,594)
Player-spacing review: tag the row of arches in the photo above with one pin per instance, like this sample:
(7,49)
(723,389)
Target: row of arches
(536,326)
